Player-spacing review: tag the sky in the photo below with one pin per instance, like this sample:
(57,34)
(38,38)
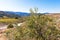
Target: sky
(44,6)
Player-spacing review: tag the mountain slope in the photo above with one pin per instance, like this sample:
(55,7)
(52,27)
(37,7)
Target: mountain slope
(13,14)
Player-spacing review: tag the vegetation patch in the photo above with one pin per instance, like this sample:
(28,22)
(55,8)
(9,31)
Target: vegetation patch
(9,20)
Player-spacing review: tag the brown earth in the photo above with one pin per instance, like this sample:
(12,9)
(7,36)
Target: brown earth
(3,37)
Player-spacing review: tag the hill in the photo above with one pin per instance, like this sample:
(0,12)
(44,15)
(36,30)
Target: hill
(13,14)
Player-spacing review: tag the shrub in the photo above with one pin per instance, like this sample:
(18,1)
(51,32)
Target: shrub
(10,26)
(36,28)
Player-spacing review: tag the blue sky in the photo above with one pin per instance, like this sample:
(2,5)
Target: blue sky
(51,6)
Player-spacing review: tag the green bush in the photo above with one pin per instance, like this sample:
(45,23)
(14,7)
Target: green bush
(10,26)
(36,28)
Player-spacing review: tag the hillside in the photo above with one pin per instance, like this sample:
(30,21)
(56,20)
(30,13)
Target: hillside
(55,15)
(13,14)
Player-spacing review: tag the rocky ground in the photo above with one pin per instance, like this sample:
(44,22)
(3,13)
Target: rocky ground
(3,37)
(2,34)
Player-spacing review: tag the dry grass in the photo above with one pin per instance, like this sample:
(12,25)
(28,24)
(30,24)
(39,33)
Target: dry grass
(9,20)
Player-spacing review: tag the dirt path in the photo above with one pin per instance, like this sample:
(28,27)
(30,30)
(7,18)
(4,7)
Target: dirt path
(3,37)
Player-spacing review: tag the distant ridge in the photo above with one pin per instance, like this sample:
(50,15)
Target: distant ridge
(23,14)
(13,14)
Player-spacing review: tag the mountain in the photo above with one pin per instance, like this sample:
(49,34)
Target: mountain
(13,14)
(23,14)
